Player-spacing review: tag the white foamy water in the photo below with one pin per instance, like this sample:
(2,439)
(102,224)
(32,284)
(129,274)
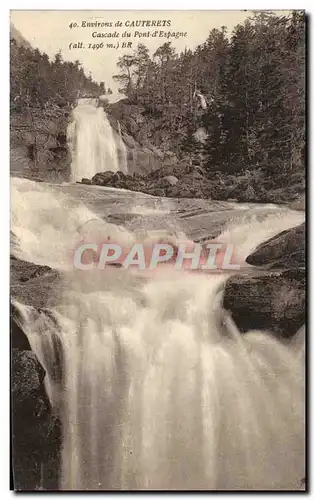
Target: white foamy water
(92,143)
(155,386)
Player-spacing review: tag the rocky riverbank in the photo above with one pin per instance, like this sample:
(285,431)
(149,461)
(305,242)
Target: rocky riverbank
(35,429)
(275,301)
(181,180)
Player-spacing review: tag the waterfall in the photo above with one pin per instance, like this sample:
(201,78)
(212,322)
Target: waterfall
(91,141)
(157,388)
(122,150)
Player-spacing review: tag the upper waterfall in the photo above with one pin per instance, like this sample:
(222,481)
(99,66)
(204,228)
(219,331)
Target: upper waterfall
(92,142)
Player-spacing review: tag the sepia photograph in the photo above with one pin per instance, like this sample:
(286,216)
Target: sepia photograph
(157,250)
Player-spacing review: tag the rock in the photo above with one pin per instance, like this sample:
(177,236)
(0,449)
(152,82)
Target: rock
(193,175)
(86,181)
(273,302)
(35,431)
(171,157)
(201,135)
(22,270)
(170,180)
(58,154)
(173,191)
(18,338)
(248,195)
(102,178)
(291,261)
(27,374)
(14,242)
(62,139)
(38,146)
(299,203)
(103,98)
(33,422)
(118,176)
(286,249)
(129,141)
(156,191)
(130,126)
(33,284)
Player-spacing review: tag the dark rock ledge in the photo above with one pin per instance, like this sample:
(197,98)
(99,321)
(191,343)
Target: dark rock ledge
(276,300)
(35,429)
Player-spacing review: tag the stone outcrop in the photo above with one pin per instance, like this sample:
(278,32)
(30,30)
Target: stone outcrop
(32,284)
(35,430)
(274,302)
(38,143)
(192,181)
(142,156)
(285,250)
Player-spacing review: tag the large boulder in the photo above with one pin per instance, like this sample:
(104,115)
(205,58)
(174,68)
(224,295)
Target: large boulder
(35,430)
(27,376)
(273,302)
(32,284)
(22,270)
(18,338)
(170,180)
(86,181)
(298,203)
(130,131)
(38,145)
(286,249)
(36,436)
(102,178)
(155,191)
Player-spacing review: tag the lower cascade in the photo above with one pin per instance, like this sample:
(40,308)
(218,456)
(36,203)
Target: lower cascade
(155,386)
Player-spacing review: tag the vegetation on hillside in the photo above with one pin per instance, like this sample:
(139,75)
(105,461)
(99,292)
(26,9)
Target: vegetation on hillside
(253,84)
(35,80)
(234,105)
(42,92)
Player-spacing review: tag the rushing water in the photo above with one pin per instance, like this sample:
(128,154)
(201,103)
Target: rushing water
(154,384)
(92,142)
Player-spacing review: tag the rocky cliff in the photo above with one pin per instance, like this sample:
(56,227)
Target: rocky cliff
(38,143)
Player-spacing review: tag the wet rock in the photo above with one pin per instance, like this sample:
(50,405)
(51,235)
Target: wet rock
(193,175)
(33,422)
(182,179)
(298,203)
(156,191)
(35,430)
(248,195)
(290,261)
(273,302)
(22,270)
(58,153)
(27,374)
(286,249)
(86,181)
(170,180)
(102,178)
(32,284)
(18,338)
(61,139)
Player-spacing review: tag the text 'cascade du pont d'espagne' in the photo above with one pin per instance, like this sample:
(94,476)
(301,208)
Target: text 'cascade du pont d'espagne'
(114,30)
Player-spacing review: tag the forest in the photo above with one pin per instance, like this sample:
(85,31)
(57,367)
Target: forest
(234,105)
(253,90)
(35,80)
